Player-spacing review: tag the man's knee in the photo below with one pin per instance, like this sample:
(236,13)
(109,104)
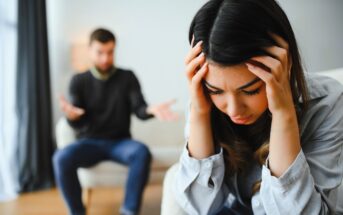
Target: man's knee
(62,159)
(143,154)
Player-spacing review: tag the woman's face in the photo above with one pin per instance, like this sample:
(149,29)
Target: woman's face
(236,92)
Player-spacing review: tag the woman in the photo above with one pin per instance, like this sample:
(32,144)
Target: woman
(263,138)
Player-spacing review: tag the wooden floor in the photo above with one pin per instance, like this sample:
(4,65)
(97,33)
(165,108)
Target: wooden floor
(104,201)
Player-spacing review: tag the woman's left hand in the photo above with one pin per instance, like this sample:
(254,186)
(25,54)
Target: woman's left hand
(284,144)
(278,89)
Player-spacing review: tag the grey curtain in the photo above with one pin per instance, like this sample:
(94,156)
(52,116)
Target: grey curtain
(35,139)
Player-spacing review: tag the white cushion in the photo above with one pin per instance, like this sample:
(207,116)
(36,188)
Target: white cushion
(334,73)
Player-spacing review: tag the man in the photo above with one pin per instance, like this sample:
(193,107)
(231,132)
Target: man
(102,100)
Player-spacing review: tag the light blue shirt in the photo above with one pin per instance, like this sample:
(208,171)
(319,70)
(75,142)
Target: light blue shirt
(309,186)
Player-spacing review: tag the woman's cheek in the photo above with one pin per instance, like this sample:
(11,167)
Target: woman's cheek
(218,102)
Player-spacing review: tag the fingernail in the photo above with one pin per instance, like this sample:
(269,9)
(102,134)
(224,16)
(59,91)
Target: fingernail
(199,43)
(250,66)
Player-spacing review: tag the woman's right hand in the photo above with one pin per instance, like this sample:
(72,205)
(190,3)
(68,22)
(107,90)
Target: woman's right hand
(200,142)
(196,70)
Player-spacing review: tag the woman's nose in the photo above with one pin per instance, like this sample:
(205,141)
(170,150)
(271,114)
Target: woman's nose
(234,107)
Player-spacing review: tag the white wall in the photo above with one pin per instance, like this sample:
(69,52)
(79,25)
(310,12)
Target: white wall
(152,38)
(318,26)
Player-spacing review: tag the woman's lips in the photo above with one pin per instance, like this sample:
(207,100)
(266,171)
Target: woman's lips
(241,120)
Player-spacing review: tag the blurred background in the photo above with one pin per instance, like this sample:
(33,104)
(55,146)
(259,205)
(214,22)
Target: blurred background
(44,42)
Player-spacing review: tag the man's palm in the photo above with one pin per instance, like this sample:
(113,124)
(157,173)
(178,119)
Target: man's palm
(163,111)
(72,112)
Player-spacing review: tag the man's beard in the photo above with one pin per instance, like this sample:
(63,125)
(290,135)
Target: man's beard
(104,71)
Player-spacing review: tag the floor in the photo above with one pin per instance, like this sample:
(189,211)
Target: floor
(104,201)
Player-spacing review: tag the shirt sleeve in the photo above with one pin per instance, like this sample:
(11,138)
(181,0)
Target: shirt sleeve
(199,184)
(138,104)
(75,94)
(310,184)
(200,187)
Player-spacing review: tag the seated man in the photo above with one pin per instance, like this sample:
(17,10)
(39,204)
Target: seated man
(102,100)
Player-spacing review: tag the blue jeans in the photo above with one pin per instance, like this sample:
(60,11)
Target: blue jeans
(88,152)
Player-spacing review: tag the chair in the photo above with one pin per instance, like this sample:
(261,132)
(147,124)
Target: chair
(165,140)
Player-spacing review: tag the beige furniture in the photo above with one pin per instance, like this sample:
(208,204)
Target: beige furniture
(165,140)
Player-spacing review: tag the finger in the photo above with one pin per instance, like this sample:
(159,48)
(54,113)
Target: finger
(165,115)
(62,99)
(63,107)
(159,115)
(193,38)
(279,53)
(196,80)
(170,102)
(265,76)
(173,116)
(191,68)
(273,64)
(78,111)
(280,41)
(193,53)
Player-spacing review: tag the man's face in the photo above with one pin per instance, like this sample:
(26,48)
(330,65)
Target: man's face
(102,54)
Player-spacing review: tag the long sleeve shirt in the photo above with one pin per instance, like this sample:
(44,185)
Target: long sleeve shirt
(108,104)
(309,186)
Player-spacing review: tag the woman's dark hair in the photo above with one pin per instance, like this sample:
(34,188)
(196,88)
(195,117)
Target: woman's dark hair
(233,31)
(102,35)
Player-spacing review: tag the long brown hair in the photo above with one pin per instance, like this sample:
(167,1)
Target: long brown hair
(233,31)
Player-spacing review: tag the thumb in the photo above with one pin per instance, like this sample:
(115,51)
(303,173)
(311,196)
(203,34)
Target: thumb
(171,102)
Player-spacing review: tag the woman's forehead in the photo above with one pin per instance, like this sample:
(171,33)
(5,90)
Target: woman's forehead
(228,76)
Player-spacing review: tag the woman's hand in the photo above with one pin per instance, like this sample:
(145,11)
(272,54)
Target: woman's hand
(278,87)
(200,142)
(196,69)
(284,144)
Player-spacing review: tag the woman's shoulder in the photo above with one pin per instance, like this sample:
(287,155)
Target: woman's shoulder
(324,110)
(320,86)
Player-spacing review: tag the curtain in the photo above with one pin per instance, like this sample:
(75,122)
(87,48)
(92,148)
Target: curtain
(35,138)
(8,120)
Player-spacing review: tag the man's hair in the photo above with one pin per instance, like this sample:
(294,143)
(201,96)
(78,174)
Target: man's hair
(102,35)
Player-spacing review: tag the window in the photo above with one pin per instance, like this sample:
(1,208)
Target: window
(8,120)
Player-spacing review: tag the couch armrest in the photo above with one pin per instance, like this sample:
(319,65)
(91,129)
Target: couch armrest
(335,74)
(64,133)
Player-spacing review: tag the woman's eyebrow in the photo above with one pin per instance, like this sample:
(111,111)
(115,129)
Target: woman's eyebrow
(211,86)
(239,88)
(249,84)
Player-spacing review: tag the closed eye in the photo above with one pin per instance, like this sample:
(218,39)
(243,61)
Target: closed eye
(211,89)
(252,92)
(214,92)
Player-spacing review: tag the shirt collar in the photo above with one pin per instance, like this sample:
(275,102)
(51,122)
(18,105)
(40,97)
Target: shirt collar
(95,72)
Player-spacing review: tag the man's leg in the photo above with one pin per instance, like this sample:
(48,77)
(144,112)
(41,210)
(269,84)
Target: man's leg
(138,157)
(66,161)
